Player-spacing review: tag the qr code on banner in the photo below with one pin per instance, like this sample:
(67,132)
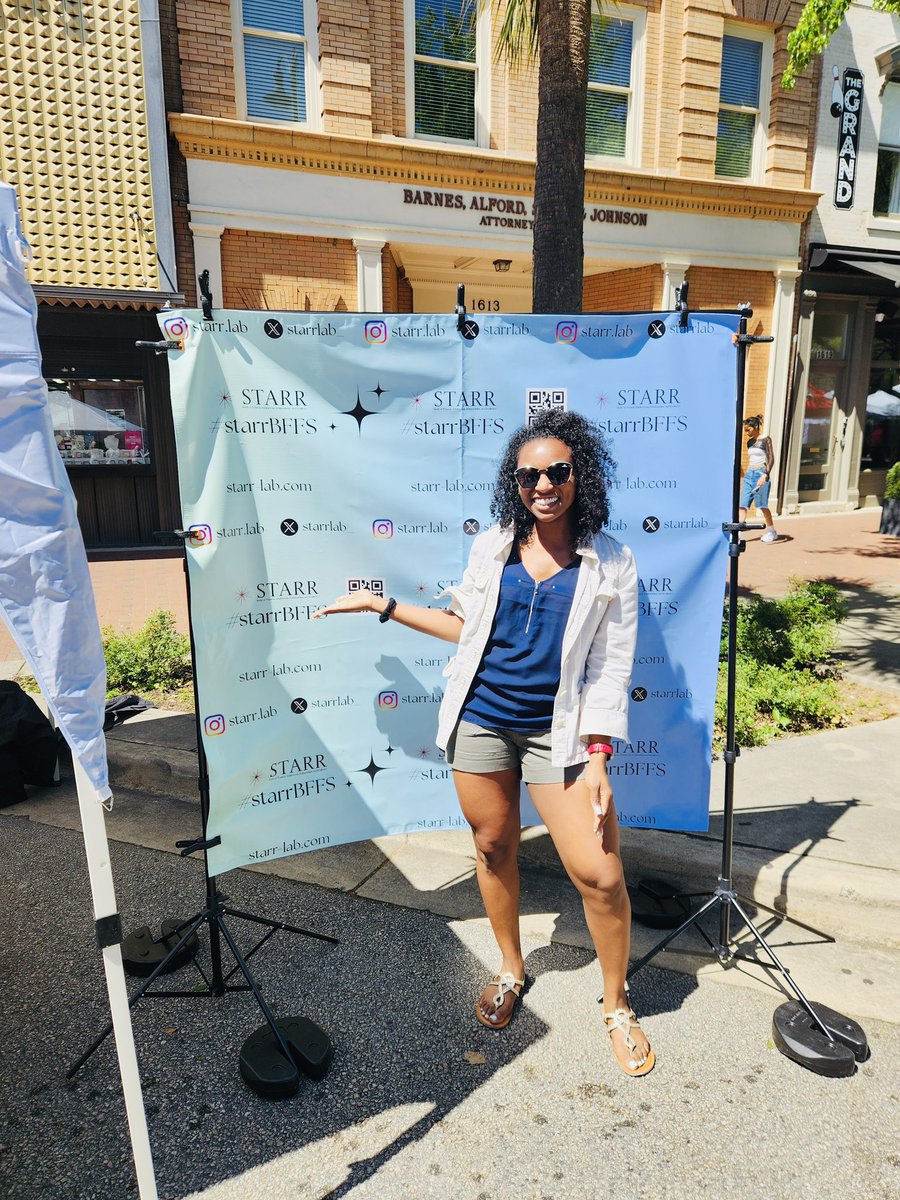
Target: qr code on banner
(543,400)
(375,586)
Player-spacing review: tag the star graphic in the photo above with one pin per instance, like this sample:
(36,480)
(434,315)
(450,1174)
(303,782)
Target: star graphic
(372,769)
(359,412)
(224,398)
(256,776)
(601,399)
(332,428)
(418,400)
(242,595)
(421,588)
(378,390)
(390,749)
(423,753)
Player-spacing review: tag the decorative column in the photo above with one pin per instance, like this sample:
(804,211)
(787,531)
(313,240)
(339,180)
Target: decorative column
(208,257)
(369,296)
(674,271)
(780,354)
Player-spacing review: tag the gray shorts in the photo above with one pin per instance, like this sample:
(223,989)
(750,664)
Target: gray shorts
(479,751)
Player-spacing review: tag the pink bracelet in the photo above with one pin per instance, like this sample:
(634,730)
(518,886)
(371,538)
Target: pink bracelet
(600,748)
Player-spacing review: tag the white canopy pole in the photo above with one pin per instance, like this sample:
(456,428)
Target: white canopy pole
(93,827)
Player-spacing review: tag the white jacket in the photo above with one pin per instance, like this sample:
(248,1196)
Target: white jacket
(597,649)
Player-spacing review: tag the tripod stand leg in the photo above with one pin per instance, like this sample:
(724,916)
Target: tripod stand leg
(783,969)
(260,999)
(670,937)
(784,917)
(190,928)
(277,925)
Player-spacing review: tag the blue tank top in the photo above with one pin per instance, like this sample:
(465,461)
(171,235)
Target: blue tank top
(518,679)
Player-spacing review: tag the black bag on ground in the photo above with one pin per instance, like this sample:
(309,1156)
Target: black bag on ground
(120,708)
(28,744)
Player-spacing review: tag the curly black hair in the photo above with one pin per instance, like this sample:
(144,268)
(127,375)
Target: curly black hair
(594,467)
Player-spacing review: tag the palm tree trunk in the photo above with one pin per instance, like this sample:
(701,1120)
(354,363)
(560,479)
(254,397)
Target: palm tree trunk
(564,37)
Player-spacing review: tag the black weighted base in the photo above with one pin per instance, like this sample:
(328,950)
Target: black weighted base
(142,953)
(798,1038)
(656,904)
(265,1069)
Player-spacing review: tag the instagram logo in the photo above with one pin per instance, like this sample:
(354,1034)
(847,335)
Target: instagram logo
(214,726)
(175,328)
(567,331)
(382,528)
(376,332)
(388,700)
(201,535)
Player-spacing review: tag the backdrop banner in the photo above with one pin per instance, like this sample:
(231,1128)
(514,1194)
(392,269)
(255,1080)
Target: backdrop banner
(319,453)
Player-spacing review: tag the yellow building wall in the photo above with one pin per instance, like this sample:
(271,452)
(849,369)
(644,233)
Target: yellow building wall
(73,141)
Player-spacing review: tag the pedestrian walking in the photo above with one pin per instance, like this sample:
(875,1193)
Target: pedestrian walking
(545,619)
(757,479)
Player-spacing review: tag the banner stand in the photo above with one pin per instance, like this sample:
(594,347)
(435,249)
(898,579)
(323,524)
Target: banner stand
(818,1038)
(271,1059)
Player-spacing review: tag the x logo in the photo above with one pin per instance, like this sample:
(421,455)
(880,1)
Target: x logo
(273,328)
(639,694)
(298,705)
(656,329)
(470,329)
(289,526)
(470,526)
(650,524)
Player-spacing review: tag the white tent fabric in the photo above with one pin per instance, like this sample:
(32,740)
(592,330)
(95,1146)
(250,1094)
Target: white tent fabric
(45,588)
(48,603)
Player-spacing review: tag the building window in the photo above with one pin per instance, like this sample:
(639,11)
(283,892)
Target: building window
(743,104)
(881,434)
(99,423)
(447,77)
(610,98)
(278,60)
(887,174)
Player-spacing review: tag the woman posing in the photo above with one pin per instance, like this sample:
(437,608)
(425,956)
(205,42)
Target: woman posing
(546,620)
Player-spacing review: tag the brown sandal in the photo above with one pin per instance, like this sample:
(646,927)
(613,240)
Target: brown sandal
(500,1007)
(624,1020)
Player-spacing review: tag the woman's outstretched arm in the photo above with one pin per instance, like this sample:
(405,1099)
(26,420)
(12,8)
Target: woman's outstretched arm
(438,622)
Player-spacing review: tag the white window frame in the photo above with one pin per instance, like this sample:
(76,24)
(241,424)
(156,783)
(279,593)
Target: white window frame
(481,67)
(313,77)
(635,93)
(749,33)
(891,217)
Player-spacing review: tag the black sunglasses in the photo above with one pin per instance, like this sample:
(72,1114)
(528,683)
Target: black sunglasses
(557,473)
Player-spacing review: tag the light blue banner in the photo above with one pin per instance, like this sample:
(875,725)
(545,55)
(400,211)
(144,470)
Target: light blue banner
(317,453)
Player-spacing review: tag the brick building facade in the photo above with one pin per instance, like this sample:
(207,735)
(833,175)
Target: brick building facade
(362,199)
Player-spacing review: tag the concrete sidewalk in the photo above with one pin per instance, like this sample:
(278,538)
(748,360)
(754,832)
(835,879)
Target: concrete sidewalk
(815,832)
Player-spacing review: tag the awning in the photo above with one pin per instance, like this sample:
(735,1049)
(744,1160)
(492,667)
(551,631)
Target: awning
(876,266)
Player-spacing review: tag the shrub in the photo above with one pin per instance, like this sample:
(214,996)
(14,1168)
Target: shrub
(785,676)
(892,483)
(155,657)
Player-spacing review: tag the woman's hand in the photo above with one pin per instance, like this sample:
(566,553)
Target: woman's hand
(361,601)
(600,791)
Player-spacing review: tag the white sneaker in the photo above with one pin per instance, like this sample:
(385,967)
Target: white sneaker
(771,535)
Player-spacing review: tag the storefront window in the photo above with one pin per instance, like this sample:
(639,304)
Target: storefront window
(825,398)
(99,423)
(881,435)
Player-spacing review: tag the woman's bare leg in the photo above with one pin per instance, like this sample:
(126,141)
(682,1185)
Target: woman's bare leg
(595,867)
(490,803)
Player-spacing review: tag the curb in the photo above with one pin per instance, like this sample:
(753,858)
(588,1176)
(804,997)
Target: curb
(845,900)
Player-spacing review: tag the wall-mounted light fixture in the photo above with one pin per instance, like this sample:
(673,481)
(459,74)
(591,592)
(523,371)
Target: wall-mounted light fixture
(502,264)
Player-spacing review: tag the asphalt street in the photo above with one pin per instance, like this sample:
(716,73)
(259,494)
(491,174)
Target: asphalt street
(408,1109)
